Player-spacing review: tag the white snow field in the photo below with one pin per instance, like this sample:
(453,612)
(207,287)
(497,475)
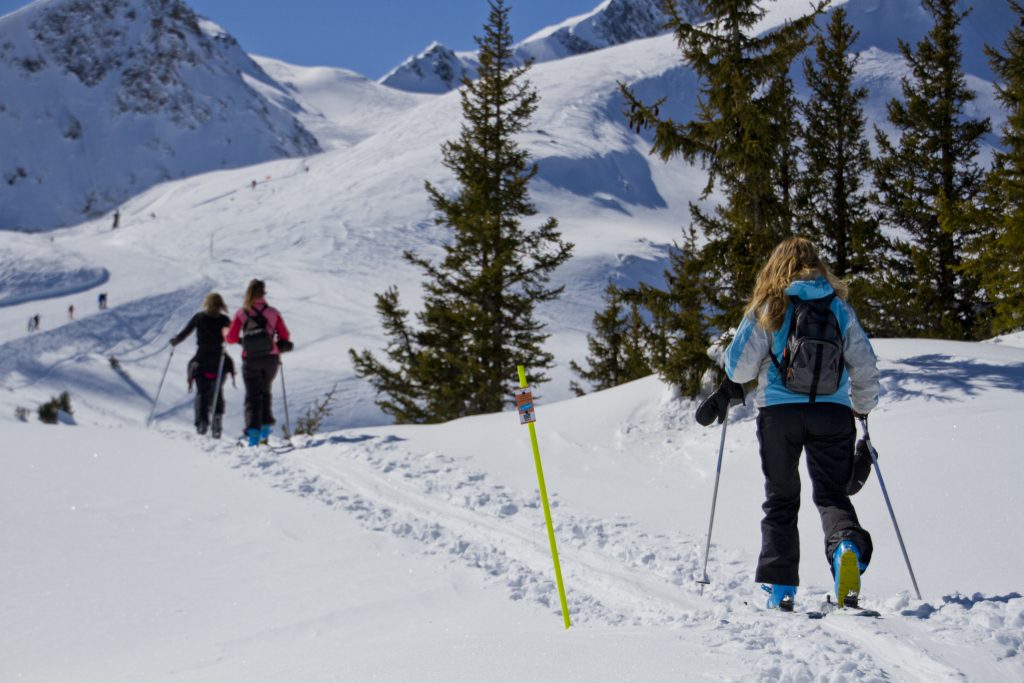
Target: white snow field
(419,553)
(379,552)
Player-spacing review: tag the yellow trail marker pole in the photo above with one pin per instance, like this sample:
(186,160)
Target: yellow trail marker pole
(527,409)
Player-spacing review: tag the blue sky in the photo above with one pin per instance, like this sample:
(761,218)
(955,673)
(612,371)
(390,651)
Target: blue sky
(368,36)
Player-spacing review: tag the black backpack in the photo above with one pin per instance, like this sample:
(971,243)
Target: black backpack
(812,362)
(256,337)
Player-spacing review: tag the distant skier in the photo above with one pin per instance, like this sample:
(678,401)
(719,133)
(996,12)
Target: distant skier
(35,323)
(829,368)
(263,335)
(31,320)
(209,325)
(71,312)
(117,218)
(102,299)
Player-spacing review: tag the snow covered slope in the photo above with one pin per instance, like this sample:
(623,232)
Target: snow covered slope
(340,107)
(400,553)
(328,231)
(403,553)
(101,100)
(438,69)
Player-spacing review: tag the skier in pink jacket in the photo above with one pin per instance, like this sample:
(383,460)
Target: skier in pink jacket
(263,335)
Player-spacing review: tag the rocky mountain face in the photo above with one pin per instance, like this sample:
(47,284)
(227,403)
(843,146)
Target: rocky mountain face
(439,69)
(100,99)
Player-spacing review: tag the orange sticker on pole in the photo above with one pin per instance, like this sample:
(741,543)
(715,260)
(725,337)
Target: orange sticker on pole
(524,404)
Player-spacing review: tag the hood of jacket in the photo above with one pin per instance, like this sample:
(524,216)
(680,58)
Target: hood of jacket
(808,290)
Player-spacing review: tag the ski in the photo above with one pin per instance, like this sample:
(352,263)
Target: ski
(850,610)
(278,448)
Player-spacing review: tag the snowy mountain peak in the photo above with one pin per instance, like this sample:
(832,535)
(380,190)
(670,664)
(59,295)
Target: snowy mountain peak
(439,69)
(103,98)
(613,22)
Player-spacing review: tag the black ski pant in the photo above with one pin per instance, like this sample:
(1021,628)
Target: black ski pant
(204,398)
(258,374)
(826,432)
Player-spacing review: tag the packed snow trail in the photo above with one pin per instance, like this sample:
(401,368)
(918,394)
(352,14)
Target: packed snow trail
(619,576)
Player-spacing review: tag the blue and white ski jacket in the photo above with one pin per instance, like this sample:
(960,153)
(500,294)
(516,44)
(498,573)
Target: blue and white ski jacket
(747,356)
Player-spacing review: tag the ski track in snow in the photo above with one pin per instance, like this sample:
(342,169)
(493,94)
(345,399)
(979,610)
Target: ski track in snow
(617,575)
(124,331)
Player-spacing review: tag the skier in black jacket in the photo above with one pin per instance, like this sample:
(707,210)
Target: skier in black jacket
(209,325)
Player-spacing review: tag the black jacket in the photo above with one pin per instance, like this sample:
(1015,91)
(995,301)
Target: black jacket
(209,332)
(209,340)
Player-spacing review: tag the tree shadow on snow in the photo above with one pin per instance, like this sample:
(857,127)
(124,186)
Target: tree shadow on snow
(926,610)
(941,377)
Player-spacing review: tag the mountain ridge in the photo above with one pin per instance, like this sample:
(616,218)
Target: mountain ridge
(101,100)
(438,69)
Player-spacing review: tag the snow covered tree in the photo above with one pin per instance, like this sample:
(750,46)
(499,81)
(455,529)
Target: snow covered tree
(618,347)
(478,320)
(833,206)
(997,255)
(743,134)
(928,183)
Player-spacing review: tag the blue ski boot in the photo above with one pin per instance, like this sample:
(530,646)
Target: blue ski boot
(265,434)
(780,597)
(254,436)
(846,569)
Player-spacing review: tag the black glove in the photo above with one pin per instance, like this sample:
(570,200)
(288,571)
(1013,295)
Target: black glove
(715,405)
(861,467)
(285,345)
(174,341)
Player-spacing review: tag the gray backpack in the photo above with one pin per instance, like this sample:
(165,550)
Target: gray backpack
(812,362)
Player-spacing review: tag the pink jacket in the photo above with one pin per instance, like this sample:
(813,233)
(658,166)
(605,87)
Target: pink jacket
(275,323)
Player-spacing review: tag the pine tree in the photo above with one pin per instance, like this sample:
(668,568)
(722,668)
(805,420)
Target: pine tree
(618,347)
(406,389)
(929,181)
(743,134)
(997,255)
(478,320)
(833,207)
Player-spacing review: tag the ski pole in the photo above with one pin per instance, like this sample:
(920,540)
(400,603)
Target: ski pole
(160,387)
(216,391)
(714,500)
(284,395)
(885,494)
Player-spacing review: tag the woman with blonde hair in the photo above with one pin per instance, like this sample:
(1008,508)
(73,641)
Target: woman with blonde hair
(204,367)
(815,371)
(263,335)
